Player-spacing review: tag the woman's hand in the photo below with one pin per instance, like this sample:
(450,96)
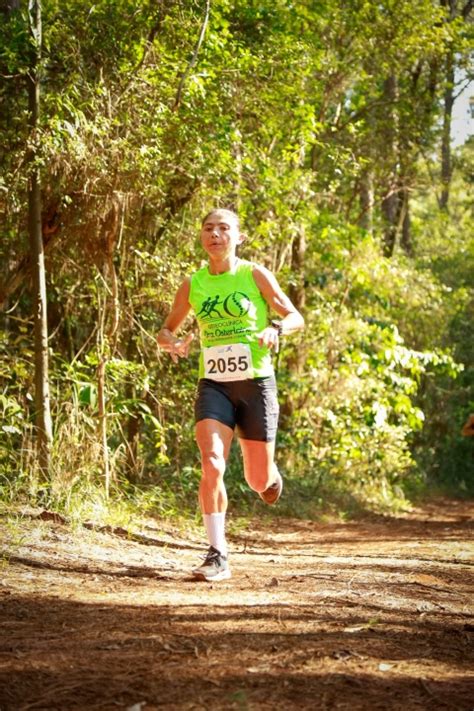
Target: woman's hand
(269,337)
(176,347)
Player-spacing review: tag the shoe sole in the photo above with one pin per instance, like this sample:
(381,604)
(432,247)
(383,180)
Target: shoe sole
(271,502)
(223,575)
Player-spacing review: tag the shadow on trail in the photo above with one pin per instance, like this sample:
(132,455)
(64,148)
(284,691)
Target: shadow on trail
(161,689)
(134,571)
(61,654)
(415,582)
(378,529)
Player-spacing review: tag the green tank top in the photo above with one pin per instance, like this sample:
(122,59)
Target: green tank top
(230,311)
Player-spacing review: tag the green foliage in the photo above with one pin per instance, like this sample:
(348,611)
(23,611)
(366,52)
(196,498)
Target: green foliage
(446,246)
(284,115)
(356,410)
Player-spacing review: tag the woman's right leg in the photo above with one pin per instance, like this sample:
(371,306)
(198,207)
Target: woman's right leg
(214,440)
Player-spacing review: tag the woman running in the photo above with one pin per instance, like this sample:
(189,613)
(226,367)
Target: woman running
(237,389)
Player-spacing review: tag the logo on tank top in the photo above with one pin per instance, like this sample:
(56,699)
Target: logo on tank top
(234,305)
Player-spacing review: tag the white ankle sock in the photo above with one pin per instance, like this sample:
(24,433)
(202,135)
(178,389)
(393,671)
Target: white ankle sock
(215,527)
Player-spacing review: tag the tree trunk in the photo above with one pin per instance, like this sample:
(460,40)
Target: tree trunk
(102,407)
(133,444)
(108,321)
(366,197)
(134,421)
(405,239)
(391,200)
(390,210)
(298,250)
(446,168)
(9,6)
(454,12)
(297,293)
(42,401)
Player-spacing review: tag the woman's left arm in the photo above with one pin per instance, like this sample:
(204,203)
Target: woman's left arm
(275,297)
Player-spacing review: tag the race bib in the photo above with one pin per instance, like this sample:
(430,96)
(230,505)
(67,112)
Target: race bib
(232,362)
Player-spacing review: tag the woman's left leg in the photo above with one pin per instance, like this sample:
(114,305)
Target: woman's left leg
(257,428)
(260,470)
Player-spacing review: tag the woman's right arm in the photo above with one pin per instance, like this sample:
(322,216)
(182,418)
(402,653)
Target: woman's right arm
(177,347)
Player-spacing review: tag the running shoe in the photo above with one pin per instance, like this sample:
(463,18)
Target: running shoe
(273,492)
(214,568)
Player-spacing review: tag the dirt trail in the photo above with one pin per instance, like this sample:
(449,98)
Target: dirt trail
(362,615)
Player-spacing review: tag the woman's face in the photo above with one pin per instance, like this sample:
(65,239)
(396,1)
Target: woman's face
(220,234)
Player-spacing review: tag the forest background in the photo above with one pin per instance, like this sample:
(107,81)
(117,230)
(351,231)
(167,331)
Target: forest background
(327,126)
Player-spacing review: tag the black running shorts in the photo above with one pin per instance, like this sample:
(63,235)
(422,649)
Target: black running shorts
(248,406)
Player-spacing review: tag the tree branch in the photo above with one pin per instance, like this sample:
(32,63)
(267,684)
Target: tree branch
(193,61)
(464,86)
(466,11)
(146,49)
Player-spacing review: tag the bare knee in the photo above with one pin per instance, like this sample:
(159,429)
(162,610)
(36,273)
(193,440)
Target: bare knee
(213,467)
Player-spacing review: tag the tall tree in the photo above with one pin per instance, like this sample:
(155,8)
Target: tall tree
(391,199)
(446,168)
(42,400)
(453,12)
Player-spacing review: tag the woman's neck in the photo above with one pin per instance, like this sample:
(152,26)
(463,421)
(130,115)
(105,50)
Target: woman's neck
(222,266)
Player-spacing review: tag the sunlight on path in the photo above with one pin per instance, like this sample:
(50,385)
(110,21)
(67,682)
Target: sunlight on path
(371,614)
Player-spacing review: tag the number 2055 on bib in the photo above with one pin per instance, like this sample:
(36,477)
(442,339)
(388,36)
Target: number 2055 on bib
(230,362)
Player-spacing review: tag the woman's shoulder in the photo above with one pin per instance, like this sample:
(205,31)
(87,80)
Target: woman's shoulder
(252,267)
(264,278)
(260,272)
(256,274)
(249,270)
